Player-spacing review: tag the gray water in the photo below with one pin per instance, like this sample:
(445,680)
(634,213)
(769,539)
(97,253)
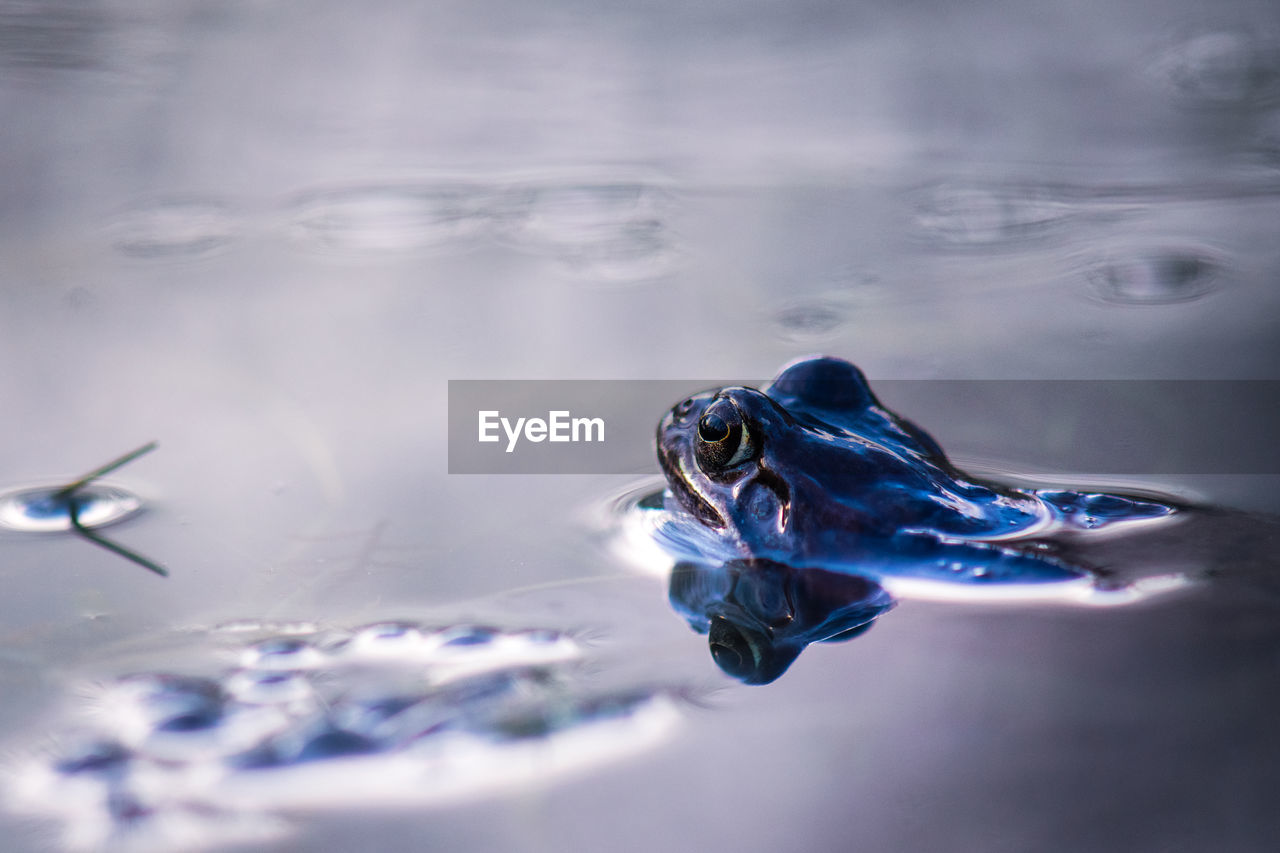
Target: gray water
(267,235)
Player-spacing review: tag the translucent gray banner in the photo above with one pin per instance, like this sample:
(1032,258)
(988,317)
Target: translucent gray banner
(1081,426)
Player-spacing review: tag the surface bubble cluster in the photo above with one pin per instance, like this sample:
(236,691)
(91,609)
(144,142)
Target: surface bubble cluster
(395,709)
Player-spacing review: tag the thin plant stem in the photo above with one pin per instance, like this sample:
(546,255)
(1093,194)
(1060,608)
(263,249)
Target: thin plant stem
(69,493)
(76,485)
(104,542)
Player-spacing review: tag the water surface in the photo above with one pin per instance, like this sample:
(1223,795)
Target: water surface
(268,237)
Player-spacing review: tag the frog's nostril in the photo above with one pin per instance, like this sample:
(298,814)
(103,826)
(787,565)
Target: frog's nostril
(684,407)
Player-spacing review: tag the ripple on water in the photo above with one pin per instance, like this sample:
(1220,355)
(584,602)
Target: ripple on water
(392,218)
(811,319)
(1224,68)
(174,228)
(1154,276)
(380,715)
(610,232)
(964,214)
(42,510)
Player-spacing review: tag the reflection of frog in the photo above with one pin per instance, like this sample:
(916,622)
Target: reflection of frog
(813,473)
(758,615)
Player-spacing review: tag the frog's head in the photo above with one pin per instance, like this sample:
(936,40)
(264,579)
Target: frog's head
(811,451)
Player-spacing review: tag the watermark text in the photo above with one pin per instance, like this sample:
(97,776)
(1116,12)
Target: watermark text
(559,425)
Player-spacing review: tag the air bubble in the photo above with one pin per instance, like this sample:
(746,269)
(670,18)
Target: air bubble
(385,638)
(539,636)
(335,743)
(160,703)
(282,653)
(44,509)
(266,687)
(468,635)
(94,756)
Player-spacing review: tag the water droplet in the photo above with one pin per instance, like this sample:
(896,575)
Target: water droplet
(282,653)
(39,510)
(266,687)
(169,703)
(93,756)
(1154,277)
(391,218)
(385,638)
(539,636)
(1224,68)
(395,720)
(367,715)
(961,214)
(468,635)
(608,232)
(173,228)
(335,743)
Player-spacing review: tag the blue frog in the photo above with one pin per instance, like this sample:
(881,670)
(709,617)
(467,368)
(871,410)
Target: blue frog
(812,473)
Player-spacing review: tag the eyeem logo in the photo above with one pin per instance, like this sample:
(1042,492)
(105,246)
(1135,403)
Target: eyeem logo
(556,426)
(560,425)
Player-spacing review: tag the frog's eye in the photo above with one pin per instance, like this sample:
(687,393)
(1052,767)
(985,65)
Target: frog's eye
(735,650)
(723,438)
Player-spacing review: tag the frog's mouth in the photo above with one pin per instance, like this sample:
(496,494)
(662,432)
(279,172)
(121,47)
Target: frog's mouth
(684,490)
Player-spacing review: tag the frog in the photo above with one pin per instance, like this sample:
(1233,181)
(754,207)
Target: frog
(814,469)
(811,473)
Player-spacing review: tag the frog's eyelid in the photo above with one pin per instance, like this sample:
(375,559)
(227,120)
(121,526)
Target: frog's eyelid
(745,447)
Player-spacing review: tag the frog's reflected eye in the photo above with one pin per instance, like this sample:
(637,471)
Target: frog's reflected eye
(723,438)
(734,650)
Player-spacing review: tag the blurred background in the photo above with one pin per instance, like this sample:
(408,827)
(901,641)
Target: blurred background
(267,234)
